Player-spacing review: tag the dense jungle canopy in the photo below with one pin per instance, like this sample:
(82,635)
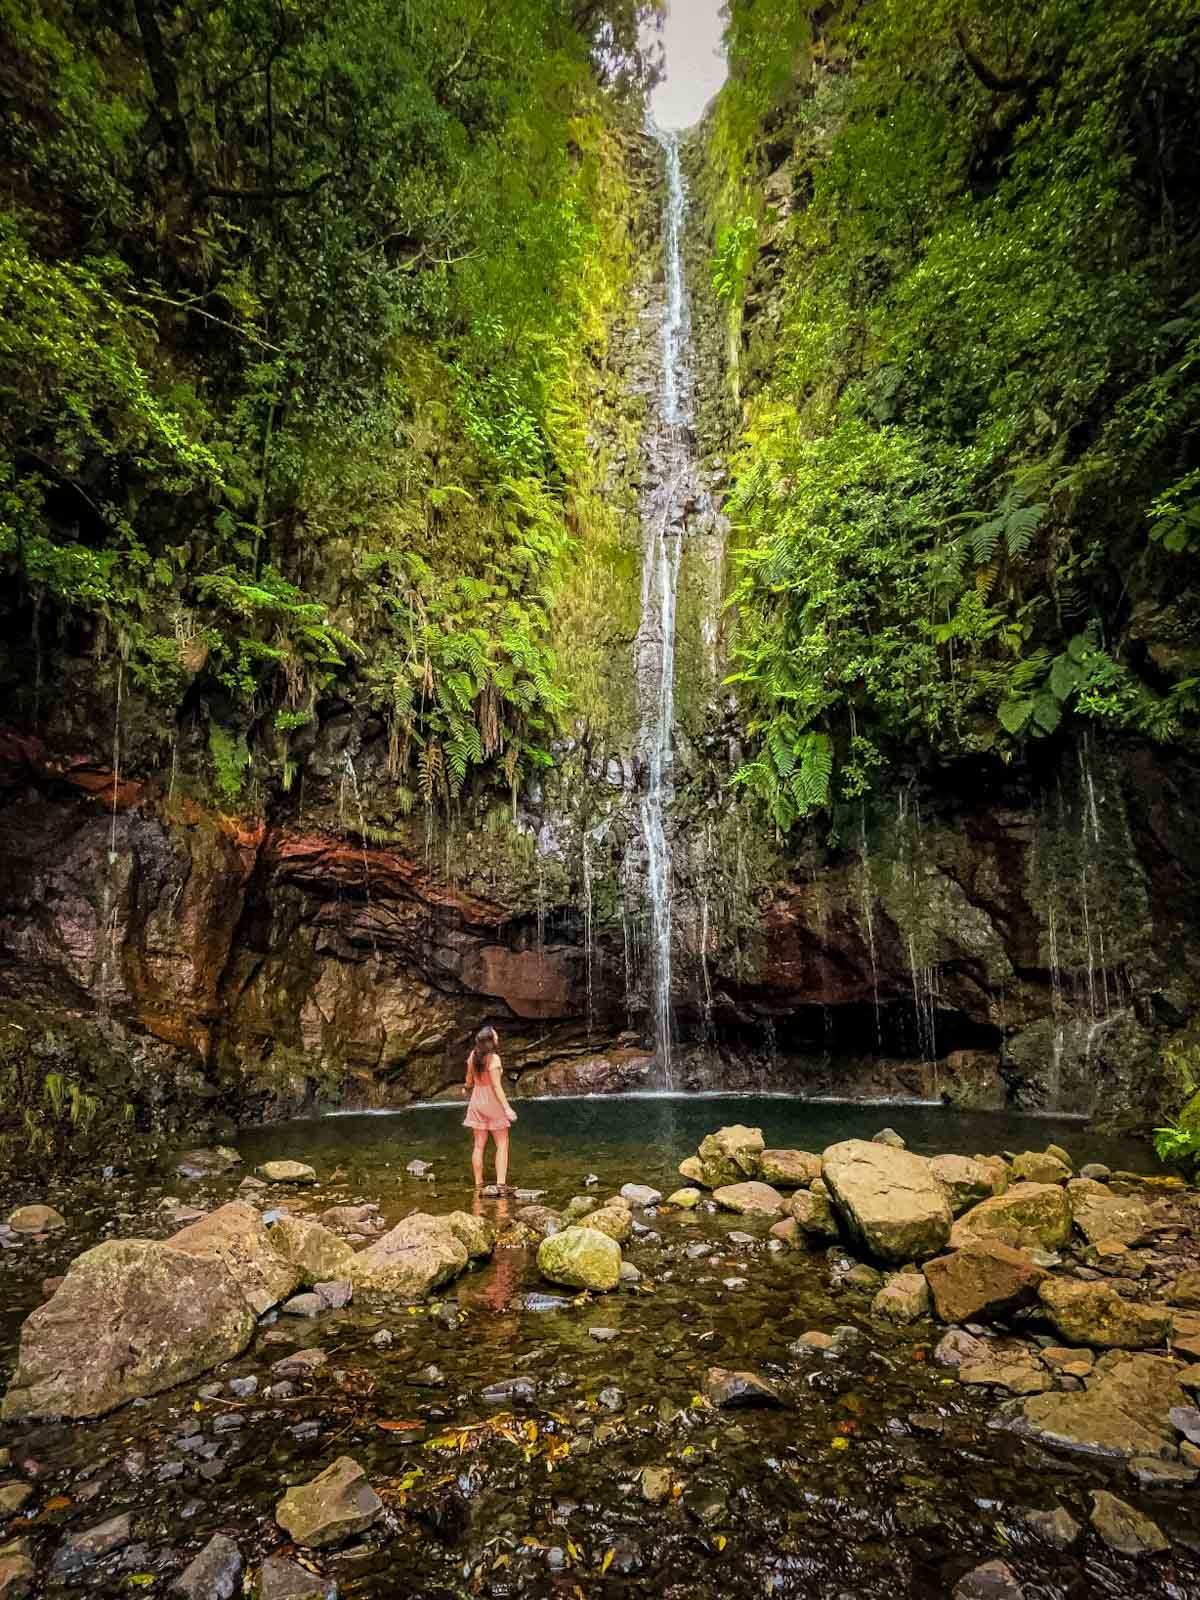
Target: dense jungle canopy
(305,309)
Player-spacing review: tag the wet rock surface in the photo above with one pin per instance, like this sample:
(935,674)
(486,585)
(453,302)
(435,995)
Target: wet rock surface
(499,1415)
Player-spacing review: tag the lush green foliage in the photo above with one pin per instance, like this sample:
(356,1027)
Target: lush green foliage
(1179,1140)
(294,301)
(968,497)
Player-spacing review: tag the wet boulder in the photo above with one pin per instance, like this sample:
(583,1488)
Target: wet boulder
(215,1574)
(888,1198)
(132,1317)
(640,1194)
(612,1219)
(1184,1291)
(1125,1529)
(476,1234)
(904,1298)
(1096,1314)
(581,1258)
(198,1164)
(685,1199)
(692,1168)
(814,1214)
(1123,1412)
(336,1505)
(288,1580)
(236,1235)
(36,1219)
(750,1198)
(789,1169)
(16,1575)
(287,1172)
(984,1279)
(413,1258)
(965,1181)
(958,1348)
(994,1580)
(313,1250)
(1029,1216)
(1039,1166)
(729,1155)
(1101,1216)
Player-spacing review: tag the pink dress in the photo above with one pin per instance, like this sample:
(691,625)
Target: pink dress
(484,1109)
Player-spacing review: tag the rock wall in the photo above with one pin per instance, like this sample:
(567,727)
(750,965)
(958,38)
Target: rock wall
(1033,945)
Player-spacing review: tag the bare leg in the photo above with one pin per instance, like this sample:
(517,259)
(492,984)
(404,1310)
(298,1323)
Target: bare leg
(477,1155)
(501,1139)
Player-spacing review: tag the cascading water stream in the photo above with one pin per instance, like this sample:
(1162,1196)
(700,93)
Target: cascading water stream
(672,486)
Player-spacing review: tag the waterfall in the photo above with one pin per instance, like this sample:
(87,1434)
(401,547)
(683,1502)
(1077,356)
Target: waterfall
(672,490)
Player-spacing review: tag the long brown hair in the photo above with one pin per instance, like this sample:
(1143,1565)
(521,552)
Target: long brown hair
(485,1048)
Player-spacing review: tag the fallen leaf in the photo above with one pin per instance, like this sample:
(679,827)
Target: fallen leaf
(399,1427)
(720,1541)
(607,1562)
(58,1503)
(840,1443)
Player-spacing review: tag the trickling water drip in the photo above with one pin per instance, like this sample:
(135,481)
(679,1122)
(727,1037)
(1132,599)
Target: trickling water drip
(588,941)
(349,775)
(674,490)
(866,893)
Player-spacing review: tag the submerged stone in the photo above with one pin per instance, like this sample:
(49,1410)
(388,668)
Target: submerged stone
(902,1299)
(337,1504)
(288,1172)
(994,1580)
(288,1580)
(1125,1529)
(738,1389)
(36,1219)
(214,1574)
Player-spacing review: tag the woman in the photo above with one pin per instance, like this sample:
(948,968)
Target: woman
(489,1110)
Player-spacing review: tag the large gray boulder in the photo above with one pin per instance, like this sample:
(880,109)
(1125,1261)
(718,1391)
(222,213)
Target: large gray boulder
(889,1199)
(415,1257)
(235,1234)
(316,1253)
(132,1317)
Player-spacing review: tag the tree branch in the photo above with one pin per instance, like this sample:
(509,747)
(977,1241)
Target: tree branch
(166,87)
(998,83)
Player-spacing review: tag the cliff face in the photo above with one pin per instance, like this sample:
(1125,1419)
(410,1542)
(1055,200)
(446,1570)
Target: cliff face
(1022,949)
(987,933)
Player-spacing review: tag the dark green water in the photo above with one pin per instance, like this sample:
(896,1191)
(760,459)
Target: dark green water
(836,1495)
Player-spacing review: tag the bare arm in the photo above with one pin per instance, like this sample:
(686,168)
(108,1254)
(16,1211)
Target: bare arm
(494,1073)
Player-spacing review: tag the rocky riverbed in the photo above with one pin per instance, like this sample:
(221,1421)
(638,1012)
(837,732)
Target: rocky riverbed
(778,1370)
